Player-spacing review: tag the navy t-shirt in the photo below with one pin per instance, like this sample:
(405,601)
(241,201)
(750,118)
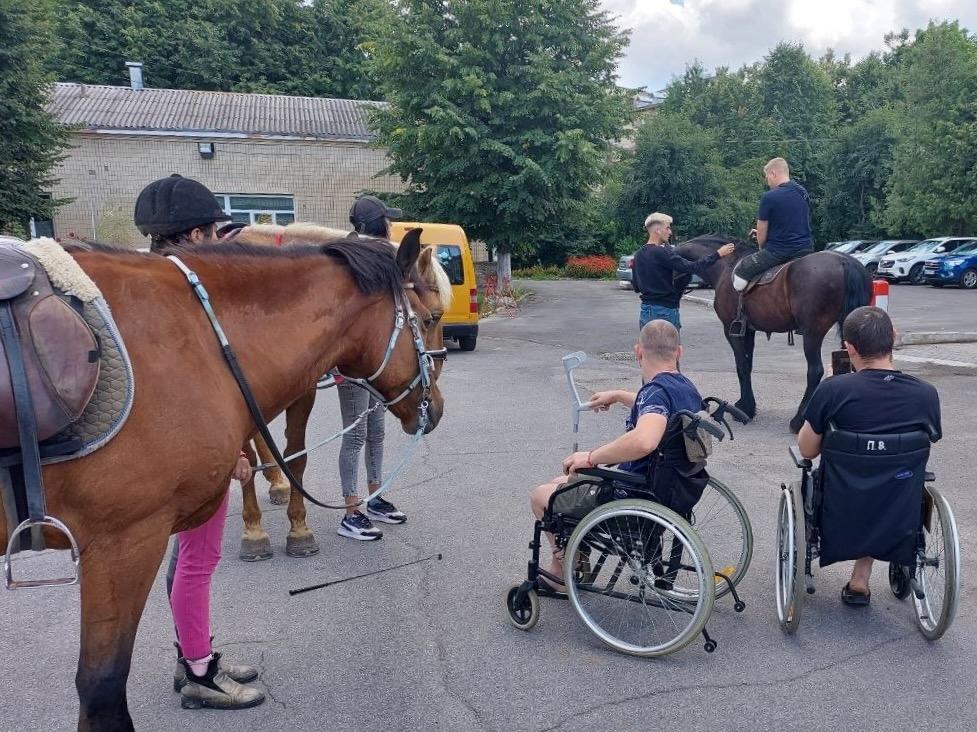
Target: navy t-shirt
(875,401)
(665,394)
(788,215)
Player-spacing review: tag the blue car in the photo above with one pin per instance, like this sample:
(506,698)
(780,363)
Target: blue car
(958,267)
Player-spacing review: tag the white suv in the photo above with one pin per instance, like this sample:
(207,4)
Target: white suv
(908,265)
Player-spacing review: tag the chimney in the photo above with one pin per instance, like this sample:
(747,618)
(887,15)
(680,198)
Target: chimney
(135,74)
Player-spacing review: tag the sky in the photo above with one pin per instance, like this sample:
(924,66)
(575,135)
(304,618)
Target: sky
(666,35)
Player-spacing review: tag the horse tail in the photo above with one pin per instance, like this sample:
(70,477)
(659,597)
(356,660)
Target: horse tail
(858,288)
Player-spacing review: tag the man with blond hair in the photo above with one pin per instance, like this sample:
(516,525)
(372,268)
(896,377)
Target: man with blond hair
(660,275)
(783,227)
(664,392)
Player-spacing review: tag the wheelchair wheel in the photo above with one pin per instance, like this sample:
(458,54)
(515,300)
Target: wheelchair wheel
(525,614)
(724,527)
(650,587)
(938,570)
(791,555)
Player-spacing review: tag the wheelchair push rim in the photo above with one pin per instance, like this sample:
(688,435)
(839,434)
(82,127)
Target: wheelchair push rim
(938,570)
(724,527)
(649,588)
(791,555)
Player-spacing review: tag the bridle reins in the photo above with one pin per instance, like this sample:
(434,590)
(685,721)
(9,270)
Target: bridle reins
(404,315)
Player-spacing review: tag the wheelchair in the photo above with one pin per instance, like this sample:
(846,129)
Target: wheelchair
(642,576)
(822,516)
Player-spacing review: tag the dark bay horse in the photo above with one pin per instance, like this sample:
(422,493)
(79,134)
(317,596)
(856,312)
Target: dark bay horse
(817,292)
(300,542)
(316,306)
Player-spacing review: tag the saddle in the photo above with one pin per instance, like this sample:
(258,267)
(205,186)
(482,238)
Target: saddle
(737,329)
(58,352)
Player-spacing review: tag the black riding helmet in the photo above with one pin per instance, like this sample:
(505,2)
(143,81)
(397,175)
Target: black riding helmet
(175,204)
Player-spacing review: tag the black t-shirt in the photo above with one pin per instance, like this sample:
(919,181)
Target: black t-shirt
(788,215)
(660,275)
(666,394)
(875,401)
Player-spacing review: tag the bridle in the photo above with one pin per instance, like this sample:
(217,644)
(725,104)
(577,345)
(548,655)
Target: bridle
(404,315)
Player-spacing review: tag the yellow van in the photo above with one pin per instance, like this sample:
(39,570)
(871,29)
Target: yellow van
(461,321)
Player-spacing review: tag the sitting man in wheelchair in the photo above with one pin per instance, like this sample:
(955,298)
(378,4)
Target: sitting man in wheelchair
(665,391)
(874,400)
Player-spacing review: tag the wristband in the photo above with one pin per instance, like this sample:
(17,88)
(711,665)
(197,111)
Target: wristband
(590,462)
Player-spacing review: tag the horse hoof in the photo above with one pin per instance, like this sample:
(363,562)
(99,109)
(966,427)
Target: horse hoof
(304,546)
(255,550)
(749,411)
(279,496)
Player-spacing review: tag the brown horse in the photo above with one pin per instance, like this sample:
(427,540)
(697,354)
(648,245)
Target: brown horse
(317,306)
(300,542)
(816,292)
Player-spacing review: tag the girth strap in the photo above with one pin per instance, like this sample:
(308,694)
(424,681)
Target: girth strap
(26,427)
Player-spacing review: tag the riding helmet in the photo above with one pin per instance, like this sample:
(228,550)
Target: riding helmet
(175,204)
(370,208)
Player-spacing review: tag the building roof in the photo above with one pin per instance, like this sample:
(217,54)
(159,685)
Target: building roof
(122,109)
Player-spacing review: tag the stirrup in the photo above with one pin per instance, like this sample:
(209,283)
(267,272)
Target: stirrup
(56,524)
(737,328)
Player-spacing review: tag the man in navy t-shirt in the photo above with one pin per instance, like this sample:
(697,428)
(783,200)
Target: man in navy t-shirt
(783,227)
(874,399)
(664,392)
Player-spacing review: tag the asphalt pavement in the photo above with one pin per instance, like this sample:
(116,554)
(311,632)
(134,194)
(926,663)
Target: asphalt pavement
(429,646)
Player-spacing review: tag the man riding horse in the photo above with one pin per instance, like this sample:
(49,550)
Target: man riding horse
(783,227)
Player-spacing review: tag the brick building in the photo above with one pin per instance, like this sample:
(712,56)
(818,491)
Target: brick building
(270,159)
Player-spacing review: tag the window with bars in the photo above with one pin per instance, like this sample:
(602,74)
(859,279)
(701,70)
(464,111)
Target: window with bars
(258,209)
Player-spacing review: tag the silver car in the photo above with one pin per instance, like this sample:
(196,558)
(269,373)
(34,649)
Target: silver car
(873,255)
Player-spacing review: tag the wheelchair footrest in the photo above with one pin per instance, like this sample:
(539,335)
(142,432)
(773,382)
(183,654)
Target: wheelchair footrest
(57,525)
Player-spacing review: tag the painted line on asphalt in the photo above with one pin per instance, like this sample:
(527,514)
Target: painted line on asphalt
(958,367)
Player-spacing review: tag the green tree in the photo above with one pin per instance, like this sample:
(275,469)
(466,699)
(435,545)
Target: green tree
(502,112)
(272,46)
(677,168)
(933,187)
(31,142)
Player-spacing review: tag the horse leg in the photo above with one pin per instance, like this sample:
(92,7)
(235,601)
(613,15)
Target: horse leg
(255,544)
(114,588)
(300,541)
(743,354)
(815,371)
(279,488)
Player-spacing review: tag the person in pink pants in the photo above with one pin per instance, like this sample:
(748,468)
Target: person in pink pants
(180,212)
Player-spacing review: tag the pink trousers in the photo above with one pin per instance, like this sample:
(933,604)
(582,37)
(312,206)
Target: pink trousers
(199,553)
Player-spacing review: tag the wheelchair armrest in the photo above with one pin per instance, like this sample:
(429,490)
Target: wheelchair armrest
(801,462)
(614,474)
(928,477)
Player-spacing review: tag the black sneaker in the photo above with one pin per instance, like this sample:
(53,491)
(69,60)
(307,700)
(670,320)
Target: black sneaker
(359,527)
(385,511)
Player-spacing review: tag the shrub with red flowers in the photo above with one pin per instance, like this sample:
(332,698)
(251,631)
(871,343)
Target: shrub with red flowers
(591,266)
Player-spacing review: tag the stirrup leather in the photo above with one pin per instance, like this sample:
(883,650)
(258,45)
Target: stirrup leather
(737,328)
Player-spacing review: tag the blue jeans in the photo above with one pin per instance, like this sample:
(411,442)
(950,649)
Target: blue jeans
(657,312)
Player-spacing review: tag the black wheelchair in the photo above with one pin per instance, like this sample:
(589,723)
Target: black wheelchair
(871,496)
(639,574)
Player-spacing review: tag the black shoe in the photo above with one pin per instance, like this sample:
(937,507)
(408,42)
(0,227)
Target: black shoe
(385,511)
(359,527)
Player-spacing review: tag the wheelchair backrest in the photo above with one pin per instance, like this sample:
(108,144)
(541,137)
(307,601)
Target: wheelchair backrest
(871,489)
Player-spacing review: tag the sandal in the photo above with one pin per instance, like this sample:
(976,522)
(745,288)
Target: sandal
(855,599)
(547,586)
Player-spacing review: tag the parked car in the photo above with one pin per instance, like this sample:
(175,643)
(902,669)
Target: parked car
(956,268)
(907,266)
(873,255)
(625,266)
(855,245)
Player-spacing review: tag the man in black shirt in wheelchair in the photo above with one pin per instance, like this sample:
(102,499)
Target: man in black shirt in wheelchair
(875,399)
(665,391)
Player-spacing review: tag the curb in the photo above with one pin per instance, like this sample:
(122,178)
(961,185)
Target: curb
(934,337)
(938,364)
(708,301)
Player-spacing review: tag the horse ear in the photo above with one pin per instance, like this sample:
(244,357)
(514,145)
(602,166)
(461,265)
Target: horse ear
(409,251)
(424,265)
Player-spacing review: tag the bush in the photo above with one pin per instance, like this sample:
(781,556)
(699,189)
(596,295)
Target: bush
(593,266)
(539,272)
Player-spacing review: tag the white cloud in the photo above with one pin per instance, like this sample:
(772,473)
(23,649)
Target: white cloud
(666,35)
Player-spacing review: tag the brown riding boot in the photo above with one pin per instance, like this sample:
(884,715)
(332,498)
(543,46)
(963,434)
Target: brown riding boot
(216,690)
(237,671)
